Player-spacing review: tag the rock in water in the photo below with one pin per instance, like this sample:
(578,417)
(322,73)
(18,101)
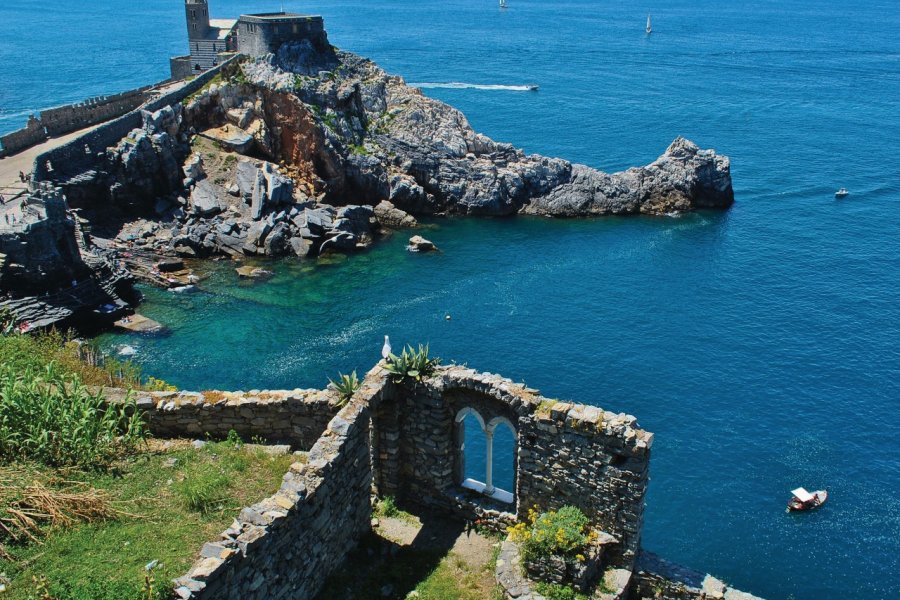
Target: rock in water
(390,216)
(419,244)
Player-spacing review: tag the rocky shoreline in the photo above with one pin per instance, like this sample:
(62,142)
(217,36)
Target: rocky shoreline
(308,152)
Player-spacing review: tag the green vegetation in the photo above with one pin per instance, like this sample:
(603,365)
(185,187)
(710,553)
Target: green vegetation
(387,507)
(413,364)
(346,386)
(563,533)
(554,591)
(144,509)
(359,149)
(52,418)
(239,78)
(72,357)
(87,501)
(216,80)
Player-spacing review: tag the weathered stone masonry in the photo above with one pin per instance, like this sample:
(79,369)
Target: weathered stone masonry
(405,440)
(65,119)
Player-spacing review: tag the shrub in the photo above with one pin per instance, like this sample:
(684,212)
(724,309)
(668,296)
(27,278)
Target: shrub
(387,507)
(52,418)
(346,386)
(562,533)
(411,364)
(554,591)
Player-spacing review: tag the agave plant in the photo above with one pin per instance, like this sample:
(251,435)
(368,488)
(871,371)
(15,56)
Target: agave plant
(411,364)
(346,386)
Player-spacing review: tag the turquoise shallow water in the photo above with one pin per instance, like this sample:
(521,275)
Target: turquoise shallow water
(760,344)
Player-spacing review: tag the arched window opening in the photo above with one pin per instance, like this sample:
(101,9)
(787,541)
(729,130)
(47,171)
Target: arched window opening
(471,447)
(475,455)
(504,458)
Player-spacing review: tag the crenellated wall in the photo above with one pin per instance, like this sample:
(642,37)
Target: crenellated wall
(61,120)
(32,134)
(79,155)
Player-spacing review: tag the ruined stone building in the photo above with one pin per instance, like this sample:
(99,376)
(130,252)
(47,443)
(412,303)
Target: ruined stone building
(253,35)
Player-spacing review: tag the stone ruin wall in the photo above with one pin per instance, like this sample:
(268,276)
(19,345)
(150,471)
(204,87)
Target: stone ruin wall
(65,119)
(564,454)
(284,546)
(402,440)
(294,417)
(32,134)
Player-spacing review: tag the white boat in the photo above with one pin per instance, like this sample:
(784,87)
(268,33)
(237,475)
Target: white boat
(502,3)
(649,27)
(803,500)
(841,193)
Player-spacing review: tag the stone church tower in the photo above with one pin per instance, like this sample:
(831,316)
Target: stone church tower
(197,13)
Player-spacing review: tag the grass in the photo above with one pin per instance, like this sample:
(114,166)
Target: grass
(386,508)
(166,509)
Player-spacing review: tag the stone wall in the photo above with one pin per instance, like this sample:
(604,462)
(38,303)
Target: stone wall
(72,117)
(564,454)
(79,155)
(593,459)
(404,440)
(61,120)
(33,133)
(287,545)
(259,35)
(660,579)
(295,417)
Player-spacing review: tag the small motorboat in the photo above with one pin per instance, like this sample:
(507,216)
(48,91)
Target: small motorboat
(841,193)
(803,500)
(532,87)
(649,28)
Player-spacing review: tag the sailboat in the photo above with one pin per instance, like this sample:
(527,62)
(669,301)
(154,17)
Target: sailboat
(649,28)
(502,3)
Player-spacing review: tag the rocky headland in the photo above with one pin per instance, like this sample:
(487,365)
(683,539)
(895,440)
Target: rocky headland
(312,150)
(306,151)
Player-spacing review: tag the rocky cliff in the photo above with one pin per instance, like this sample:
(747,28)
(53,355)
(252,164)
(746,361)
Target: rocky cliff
(306,151)
(49,272)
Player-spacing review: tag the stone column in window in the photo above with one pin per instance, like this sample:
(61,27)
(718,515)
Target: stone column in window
(489,476)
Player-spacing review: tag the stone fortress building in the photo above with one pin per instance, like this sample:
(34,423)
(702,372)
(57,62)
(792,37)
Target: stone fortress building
(210,41)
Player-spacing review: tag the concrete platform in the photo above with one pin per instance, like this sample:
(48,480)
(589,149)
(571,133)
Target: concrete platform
(138,324)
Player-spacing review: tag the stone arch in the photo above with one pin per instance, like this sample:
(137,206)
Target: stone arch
(496,421)
(468,410)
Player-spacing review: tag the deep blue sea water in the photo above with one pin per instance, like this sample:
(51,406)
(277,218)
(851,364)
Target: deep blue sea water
(761,344)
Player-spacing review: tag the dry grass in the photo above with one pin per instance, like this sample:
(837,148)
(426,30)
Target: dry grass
(28,510)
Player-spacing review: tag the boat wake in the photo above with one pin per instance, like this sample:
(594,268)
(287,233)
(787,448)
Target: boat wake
(455,85)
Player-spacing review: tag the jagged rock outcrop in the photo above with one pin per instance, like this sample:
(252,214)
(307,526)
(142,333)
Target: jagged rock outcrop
(49,273)
(430,160)
(338,151)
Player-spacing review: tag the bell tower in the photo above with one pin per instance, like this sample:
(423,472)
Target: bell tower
(197,13)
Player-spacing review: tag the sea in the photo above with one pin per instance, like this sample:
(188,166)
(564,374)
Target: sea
(760,344)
